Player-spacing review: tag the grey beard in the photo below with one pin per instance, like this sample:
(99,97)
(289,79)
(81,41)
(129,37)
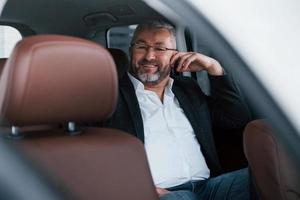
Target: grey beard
(149,78)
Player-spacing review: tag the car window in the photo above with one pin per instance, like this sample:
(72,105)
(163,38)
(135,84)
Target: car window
(120,37)
(197,44)
(9,36)
(202,76)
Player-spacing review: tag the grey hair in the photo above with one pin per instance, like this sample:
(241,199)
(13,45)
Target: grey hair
(155,25)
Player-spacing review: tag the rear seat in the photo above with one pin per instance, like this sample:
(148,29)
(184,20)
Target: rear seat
(121,60)
(3,123)
(2,63)
(274,173)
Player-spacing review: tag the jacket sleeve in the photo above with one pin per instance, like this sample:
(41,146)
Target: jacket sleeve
(227,107)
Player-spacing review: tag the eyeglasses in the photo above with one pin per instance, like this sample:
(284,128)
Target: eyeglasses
(143,48)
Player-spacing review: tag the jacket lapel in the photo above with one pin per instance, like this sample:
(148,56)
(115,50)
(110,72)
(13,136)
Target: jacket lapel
(128,92)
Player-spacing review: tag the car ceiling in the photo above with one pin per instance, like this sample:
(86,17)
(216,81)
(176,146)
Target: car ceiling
(73,17)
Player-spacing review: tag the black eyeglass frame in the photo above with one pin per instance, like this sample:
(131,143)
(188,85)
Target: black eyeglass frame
(163,49)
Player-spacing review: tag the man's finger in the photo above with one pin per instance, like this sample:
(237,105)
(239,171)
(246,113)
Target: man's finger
(162,191)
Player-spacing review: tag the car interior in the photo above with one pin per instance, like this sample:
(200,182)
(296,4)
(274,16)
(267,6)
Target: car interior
(72,95)
(64,72)
(273,171)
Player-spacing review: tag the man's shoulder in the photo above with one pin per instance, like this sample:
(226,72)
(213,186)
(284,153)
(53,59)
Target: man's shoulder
(185,82)
(124,79)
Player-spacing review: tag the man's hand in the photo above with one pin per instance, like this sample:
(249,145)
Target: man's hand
(193,62)
(162,191)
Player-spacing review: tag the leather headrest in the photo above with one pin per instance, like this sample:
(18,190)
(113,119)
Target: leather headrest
(51,79)
(2,63)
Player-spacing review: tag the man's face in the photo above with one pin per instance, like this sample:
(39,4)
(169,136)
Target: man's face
(150,61)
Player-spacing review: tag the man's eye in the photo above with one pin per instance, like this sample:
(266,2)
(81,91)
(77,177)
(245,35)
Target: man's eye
(159,49)
(141,47)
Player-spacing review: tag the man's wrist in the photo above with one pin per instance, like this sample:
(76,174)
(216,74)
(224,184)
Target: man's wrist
(215,69)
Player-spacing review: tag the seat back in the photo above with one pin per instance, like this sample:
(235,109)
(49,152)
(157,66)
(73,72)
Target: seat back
(57,80)
(274,174)
(121,60)
(2,63)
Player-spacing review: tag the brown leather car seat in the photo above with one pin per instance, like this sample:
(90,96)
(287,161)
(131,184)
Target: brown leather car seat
(274,174)
(121,60)
(3,123)
(2,63)
(54,79)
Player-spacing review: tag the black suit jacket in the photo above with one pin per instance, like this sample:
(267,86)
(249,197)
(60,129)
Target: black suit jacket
(223,109)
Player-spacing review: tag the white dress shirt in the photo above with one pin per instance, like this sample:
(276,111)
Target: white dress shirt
(172,149)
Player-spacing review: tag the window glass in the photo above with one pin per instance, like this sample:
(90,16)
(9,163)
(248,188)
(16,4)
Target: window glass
(120,37)
(202,76)
(197,45)
(9,36)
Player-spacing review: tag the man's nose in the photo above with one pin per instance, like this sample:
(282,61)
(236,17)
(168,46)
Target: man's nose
(150,54)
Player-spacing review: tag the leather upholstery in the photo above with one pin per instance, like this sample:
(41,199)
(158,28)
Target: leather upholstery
(275,176)
(77,78)
(2,63)
(54,79)
(96,164)
(3,122)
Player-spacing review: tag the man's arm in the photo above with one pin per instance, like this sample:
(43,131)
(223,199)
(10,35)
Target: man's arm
(194,62)
(228,109)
